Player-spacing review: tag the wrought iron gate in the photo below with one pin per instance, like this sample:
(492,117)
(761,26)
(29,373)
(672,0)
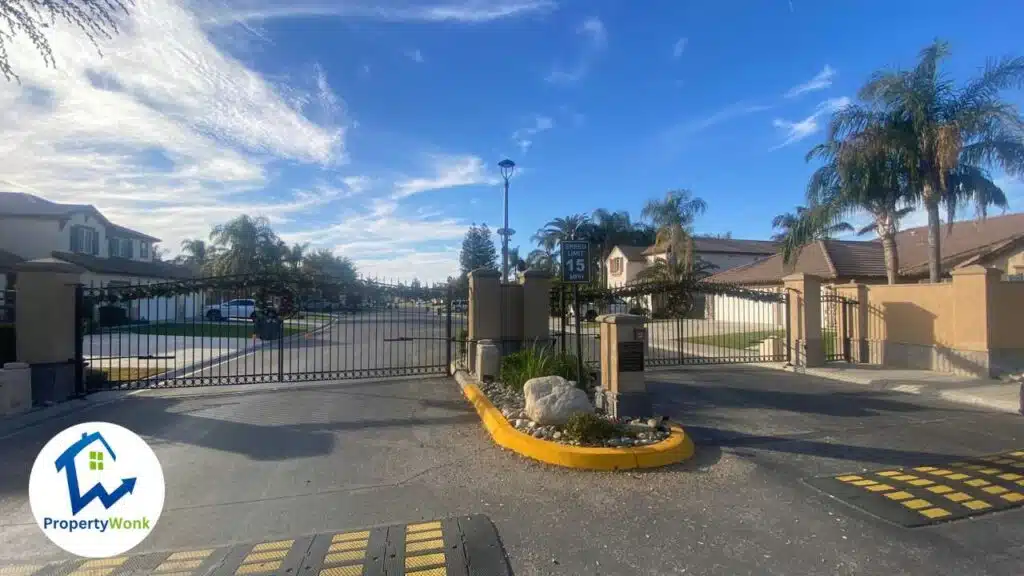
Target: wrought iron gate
(837,314)
(686,322)
(269,328)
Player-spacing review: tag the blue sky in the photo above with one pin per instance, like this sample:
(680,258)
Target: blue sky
(374,128)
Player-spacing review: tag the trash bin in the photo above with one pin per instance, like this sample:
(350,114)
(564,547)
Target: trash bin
(269,328)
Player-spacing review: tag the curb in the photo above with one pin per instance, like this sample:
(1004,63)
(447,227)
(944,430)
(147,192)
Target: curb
(678,447)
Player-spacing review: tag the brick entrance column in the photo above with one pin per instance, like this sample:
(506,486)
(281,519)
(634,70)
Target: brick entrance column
(805,319)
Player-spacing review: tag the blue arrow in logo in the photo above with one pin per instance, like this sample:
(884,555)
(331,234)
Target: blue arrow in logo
(66,462)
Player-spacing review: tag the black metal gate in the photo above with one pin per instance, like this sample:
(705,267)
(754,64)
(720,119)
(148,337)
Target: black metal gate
(268,328)
(686,322)
(837,314)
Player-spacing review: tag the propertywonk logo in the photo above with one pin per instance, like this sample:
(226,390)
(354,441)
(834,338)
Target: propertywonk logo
(96,490)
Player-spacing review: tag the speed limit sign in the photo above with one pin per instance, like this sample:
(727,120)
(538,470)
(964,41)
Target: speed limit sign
(575,261)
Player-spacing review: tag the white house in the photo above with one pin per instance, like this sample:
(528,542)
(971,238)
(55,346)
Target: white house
(625,262)
(112,255)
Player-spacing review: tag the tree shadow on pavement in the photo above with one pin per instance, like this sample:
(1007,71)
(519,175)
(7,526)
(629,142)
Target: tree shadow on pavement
(205,421)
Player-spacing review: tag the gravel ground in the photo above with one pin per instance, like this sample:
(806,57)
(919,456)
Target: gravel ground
(512,404)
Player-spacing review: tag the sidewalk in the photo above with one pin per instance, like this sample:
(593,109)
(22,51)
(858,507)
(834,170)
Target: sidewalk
(980,392)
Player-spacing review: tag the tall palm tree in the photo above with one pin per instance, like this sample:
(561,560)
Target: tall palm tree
(516,262)
(552,233)
(785,223)
(673,218)
(607,230)
(936,127)
(247,245)
(850,182)
(541,260)
(196,252)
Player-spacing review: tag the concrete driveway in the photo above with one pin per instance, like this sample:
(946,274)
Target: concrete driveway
(261,462)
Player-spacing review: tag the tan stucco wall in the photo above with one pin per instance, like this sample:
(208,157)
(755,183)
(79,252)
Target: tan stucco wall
(1010,263)
(1007,330)
(911,314)
(33,238)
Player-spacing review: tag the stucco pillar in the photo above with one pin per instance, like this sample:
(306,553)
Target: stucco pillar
(805,319)
(973,310)
(45,326)
(623,390)
(536,307)
(484,310)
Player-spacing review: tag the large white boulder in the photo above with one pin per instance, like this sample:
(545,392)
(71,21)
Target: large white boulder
(550,400)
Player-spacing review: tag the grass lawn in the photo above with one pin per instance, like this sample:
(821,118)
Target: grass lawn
(736,340)
(205,329)
(744,340)
(117,374)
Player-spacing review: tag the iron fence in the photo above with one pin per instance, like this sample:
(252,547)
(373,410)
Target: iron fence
(685,322)
(837,315)
(266,328)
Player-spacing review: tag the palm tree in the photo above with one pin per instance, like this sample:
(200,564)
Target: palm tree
(541,260)
(552,233)
(516,262)
(607,230)
(849,182)
(323,262)
(785,223)
(247,245)
(673,218)
(196,252)
(936,127)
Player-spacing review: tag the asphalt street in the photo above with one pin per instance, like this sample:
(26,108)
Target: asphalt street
(267,461)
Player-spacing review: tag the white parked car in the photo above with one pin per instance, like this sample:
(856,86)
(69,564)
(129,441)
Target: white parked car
(243,308)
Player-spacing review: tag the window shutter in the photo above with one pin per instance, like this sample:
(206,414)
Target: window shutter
(75,240)
(131,249)
(95,243)
(112,248)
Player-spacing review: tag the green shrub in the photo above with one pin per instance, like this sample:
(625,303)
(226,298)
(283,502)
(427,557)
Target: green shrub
(462,341)
(590,428)
(95,379)
(538,361)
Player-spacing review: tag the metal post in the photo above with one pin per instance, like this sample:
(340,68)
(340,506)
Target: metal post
(280,351)
(448,332)
(561,316)
(579,340)
(789,338)
(504,240)
(79,335)
(847,308)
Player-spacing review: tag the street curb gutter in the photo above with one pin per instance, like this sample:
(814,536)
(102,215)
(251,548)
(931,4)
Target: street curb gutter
(677,448)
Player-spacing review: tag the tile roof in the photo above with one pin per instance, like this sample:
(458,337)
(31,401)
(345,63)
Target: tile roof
(126,267)
(967,242)
(21,204)
(9,260)
(725,246)
(632,253)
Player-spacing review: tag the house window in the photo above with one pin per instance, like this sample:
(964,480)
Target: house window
(85,240)
(616,266)
(120,248)
(144,249)
(95,460)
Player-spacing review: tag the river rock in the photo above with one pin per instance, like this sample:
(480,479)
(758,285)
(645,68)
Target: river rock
(551,400)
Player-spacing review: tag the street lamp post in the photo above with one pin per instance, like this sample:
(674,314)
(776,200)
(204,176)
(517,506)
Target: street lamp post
(507,168)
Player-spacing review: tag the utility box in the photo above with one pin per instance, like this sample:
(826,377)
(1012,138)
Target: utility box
(623,390)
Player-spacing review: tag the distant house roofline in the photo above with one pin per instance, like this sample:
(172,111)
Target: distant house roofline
(22,205)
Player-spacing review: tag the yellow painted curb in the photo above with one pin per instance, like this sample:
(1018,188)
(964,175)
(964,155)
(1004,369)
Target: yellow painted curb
(676,448)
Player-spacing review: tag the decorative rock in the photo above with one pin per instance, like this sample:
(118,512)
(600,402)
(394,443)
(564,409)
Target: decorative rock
(653,423)
(557,435)
(531,424)
(538,433)
(553,399)
(519,423)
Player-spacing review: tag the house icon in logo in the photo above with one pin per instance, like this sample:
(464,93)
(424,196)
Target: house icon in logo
(66,462)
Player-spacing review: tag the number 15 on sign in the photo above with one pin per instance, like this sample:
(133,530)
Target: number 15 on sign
(575,261)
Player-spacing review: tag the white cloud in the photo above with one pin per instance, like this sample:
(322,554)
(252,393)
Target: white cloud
(169,135)
(682,130)
(465,11)
(678,48)
(523,137)
(596,41)
(797,131)
(415,55)
(448,172)
(821,81)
